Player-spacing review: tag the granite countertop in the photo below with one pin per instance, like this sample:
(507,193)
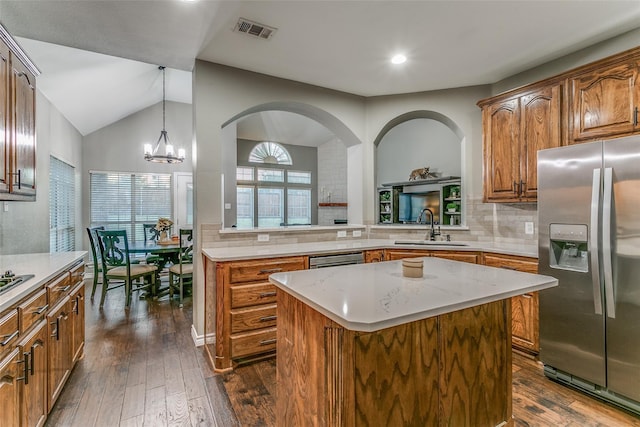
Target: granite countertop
(320,248)
(45,266)
(370,297)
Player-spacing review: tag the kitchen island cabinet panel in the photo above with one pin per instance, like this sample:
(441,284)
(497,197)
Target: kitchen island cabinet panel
(77,322)
(59,350)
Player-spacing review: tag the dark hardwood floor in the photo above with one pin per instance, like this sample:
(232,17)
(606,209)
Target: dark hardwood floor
(142,369)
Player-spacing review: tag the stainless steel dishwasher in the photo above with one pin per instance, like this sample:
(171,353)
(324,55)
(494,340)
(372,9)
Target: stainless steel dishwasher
(321,261)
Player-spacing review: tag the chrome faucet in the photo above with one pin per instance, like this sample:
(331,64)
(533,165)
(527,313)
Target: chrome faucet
(432,232)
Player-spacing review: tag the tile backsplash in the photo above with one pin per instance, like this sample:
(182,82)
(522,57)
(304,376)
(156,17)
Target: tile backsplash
(486,222)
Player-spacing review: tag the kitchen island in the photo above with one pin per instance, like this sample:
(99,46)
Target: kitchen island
(363,345)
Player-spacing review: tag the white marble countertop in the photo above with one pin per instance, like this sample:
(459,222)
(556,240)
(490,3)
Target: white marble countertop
(338,246)
(370,297)
(44,266)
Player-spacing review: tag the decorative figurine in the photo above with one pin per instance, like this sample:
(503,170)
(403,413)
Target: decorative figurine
(421,173)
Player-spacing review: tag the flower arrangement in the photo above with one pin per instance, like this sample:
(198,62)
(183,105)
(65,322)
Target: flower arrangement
(163,224)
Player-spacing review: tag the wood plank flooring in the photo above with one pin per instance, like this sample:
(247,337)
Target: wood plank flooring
(142,369)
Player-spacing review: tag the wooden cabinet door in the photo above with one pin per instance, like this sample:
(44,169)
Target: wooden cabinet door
(59,349)
(375,255)
(539,129)
(10,371)
(395,254)
(77,323)
(34,394)
(470,257)
(524,308)
(525,321)
(604,102)
(4,117)
(23,99)
(501,123)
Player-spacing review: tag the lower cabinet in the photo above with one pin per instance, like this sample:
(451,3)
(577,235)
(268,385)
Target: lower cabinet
(77,322)
(11,369)
(524,308)
(60,328)
(463,256)
(374,255)
(34,395)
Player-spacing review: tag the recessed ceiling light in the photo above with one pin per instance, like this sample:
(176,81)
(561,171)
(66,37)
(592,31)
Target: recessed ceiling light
(398,59)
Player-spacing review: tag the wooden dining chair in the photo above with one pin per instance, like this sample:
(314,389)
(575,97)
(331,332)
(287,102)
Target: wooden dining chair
(117,268)
(181,273)
(97,259)
(151,235)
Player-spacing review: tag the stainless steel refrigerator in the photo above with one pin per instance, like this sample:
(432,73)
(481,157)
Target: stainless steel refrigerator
(589,239)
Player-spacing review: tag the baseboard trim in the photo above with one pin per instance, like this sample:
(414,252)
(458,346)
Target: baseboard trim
(198,340)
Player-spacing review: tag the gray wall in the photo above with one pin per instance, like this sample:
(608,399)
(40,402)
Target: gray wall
(24,228)
(119,146)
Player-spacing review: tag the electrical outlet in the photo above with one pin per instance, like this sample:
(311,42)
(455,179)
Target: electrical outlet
(342,233)
(227,205)
(528,228)
(357,233)
(263,237)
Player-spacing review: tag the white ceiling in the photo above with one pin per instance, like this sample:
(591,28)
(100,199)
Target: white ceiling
(99,58)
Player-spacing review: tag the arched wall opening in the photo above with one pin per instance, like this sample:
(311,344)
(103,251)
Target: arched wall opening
(420,139)
(342,134)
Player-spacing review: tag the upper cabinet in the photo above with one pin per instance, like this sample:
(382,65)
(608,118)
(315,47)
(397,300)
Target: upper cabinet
(604,102)
(514,129)
(17,122)
(593,102)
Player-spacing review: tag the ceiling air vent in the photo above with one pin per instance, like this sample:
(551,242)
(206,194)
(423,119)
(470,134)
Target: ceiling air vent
(254,29)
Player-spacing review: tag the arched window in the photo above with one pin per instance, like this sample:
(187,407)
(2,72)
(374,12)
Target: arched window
(270,153)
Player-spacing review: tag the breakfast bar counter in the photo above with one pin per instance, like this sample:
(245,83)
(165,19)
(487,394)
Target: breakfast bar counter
(364,345)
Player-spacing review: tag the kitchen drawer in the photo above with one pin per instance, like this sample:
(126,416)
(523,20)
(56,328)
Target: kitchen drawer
(8,331)
(248,295)
(528,265)
(77,273)
(58,288)
(251,343)
(253,271)
(33,310)
(249,319)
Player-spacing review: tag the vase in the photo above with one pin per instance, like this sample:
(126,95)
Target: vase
(163,236)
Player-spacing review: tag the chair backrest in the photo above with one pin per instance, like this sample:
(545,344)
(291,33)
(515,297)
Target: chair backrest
(186,245)
(150,233)
(114,249)
(93,241)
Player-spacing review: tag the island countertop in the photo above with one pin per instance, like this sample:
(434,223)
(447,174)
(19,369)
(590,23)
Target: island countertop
(371,297)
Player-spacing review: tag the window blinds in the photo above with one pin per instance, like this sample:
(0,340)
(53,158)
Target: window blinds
(125,201)
(62,197)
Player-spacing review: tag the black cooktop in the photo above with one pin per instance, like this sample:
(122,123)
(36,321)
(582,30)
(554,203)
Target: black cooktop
(9,280)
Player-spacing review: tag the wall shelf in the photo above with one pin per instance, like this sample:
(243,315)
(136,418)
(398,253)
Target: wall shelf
(332,205)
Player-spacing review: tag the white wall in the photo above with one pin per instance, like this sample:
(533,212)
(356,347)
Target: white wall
(415,144)
(332,180)
(24,228)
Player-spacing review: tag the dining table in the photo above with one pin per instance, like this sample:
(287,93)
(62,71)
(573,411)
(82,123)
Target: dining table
(167,252)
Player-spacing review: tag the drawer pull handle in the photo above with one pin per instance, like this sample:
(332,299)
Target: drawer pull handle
(32,365)
(268,294)
(65,289)
(267,342)
(8,338)
(41,310)
(506,267)
(268,318)
(270,270)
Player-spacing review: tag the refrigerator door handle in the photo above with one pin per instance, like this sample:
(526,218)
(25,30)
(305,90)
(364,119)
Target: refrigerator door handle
(610,296)
(593,239)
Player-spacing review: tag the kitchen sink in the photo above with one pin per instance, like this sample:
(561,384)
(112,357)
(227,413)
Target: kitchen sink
(429,243)
(9,280)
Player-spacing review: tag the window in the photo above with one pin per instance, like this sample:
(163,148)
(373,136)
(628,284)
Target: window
(125,201)
(275,198)
(270,153)
(62,206)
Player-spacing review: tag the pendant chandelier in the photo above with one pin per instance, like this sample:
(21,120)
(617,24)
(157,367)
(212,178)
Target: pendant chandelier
(150,152)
